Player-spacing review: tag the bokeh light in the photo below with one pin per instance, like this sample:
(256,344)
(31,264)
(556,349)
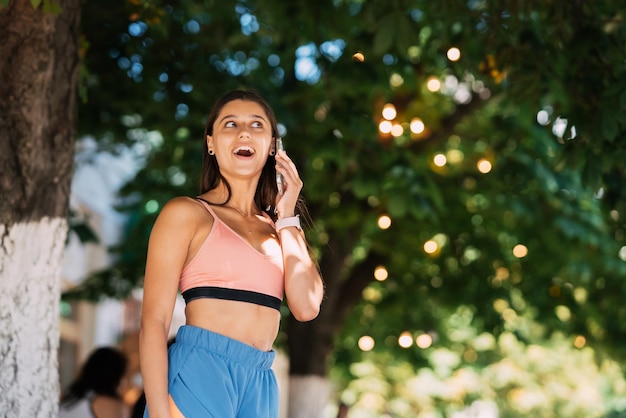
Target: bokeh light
(484,166)
(433,84)
(396,80)
(440,160)
(389,111)
(454,54)
(543,117)
(381,273)
(384,222)
(397,130)
(405,340)
(431,247)
(152,206)
(417,126)
(424,341)
(366,343)
(520,251)
(455,156)
(385,127)
(563,313)
(580,341)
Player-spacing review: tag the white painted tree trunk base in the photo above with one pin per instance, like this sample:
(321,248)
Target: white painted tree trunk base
(308,396)
(30,265)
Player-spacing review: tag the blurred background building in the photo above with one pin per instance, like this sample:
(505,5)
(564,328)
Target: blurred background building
(98,177)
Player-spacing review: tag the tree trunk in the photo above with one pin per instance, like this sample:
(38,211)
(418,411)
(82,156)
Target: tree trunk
(309,346)
(308,396)
(38,73)
(311,343)
(29,316)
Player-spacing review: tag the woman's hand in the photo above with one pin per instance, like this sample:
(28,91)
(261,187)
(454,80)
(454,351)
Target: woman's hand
(286,203)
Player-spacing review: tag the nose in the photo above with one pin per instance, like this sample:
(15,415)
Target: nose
(244,133)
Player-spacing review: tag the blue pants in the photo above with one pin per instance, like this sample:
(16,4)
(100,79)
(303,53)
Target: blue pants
(214,376)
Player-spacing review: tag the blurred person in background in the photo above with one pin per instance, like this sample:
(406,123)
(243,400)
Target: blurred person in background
(96,392)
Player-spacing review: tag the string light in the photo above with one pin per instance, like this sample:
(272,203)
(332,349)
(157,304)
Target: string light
(384,222)
(520,251)
(381,273)
(405,340)
(389,111)
(366,343)
(454,54)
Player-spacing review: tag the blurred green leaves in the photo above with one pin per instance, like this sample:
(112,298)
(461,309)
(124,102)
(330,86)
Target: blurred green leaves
(555,186)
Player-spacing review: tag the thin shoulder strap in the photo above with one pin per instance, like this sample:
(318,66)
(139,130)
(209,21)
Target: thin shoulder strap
(207,205)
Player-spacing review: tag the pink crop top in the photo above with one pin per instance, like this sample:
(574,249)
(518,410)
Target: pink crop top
(228,267)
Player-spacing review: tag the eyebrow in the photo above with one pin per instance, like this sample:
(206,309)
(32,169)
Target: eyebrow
(235,117)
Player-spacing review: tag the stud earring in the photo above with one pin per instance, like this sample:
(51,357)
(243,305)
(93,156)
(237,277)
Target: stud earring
(211,151)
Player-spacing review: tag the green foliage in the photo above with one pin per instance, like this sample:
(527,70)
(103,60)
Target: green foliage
(555,185)
(479,375)
(49,6)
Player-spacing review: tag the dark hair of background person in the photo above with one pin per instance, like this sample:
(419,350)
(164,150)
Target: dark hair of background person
(265,195)
(101,374)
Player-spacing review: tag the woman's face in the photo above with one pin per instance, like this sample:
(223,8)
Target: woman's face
(241,140)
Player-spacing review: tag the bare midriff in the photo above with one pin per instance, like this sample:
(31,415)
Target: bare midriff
(248,323)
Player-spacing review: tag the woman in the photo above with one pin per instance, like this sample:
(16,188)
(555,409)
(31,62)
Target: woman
(233,252)
(96,390)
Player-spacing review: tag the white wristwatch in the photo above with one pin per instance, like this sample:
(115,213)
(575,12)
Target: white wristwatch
(287,222)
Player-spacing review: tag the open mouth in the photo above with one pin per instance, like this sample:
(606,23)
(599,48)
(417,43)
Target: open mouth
(244,151)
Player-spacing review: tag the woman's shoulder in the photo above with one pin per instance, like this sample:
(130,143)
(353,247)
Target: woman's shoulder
(183,214)
(183,206)
(182,203)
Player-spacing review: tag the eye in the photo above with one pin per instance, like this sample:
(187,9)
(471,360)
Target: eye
(257,124)
(230,124)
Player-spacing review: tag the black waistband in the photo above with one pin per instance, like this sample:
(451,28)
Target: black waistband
(232,294)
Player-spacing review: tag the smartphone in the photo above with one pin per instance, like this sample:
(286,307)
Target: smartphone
(280,181)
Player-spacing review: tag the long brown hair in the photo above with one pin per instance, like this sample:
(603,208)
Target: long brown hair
(266,191)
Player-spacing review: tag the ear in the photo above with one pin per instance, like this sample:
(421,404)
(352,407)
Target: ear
(209,141)
(273,147)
